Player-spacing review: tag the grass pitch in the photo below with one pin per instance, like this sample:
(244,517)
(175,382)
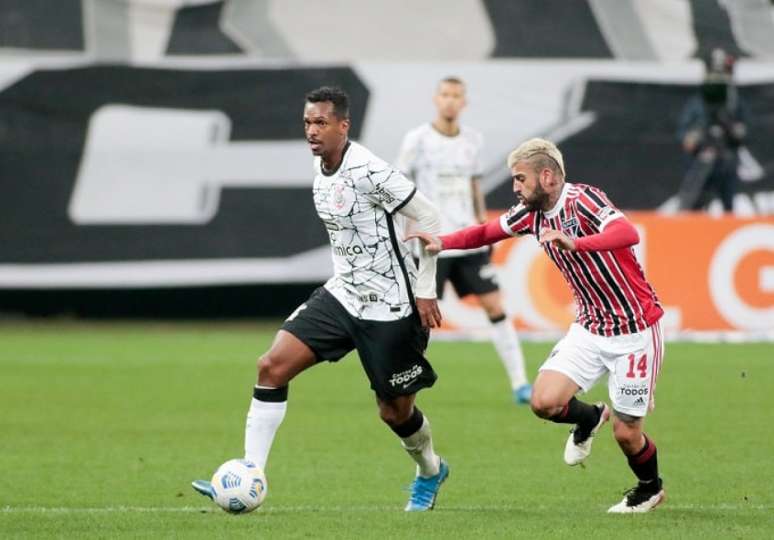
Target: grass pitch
(102,428)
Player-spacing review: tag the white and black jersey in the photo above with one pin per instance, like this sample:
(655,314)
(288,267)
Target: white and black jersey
(443,169)
(374,273)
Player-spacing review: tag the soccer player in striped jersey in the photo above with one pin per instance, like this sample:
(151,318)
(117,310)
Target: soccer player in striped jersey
(617,330)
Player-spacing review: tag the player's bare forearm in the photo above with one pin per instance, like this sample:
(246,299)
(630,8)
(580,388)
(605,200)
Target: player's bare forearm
(429,313)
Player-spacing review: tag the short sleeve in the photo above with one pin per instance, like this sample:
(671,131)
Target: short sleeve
(595,209)
(386,187)
(407,156)
(478,163)
(518,221)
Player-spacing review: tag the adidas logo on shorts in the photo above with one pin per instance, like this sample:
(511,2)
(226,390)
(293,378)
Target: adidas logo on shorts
(639,401)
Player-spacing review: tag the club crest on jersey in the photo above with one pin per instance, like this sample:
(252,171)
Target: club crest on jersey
(339,201)
(570,227)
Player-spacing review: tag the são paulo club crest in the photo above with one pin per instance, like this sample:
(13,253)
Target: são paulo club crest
(570,227)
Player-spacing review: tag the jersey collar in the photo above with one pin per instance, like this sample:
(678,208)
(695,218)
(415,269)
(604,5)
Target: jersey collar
(560,203)
(343,157)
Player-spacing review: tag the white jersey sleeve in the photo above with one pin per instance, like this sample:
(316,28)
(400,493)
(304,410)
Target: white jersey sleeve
(421,210)
(409,151)
(478,163)
(385,186)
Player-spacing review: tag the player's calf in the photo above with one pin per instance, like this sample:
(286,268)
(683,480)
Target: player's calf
(627,430)
(642,457)
(416,438)
(432,471)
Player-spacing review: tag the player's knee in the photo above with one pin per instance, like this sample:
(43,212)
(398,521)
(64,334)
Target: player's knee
(494,312)
(543,405)
(393,416)
(271,371)
(627,430)
(389,416)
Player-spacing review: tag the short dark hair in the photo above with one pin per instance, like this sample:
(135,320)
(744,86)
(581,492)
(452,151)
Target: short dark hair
(453,80)
(335,95)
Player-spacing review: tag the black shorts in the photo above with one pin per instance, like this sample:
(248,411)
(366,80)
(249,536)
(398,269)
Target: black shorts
(391,352)
(469,274)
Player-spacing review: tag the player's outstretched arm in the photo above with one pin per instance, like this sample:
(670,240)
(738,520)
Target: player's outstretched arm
(421,210)
(468,238)
(619,233)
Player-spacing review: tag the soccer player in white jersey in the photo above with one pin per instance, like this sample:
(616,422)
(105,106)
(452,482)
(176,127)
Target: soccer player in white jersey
(443,158)
(617,331)
(377,301)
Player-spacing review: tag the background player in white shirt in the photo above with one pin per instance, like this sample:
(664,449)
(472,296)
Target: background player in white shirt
(444,160)
(377,301)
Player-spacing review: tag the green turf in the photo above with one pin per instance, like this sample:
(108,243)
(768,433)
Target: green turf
(102,428)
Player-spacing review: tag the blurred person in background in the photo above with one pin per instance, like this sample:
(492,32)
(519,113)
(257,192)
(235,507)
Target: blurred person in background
(711,129)
(443,157)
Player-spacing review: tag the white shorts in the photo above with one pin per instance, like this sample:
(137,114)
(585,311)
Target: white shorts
(633,362)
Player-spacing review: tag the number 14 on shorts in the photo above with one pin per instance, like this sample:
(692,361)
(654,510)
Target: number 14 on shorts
(639,365)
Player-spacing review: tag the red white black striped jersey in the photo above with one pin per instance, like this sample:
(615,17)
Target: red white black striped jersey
(612,296)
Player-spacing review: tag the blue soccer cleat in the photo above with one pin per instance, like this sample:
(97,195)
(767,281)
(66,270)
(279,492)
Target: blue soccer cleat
(203,487)
(522,394)
(425,490)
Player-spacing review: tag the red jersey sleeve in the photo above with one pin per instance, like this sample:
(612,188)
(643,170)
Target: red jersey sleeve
(595,210)
(619,233)
(474,236)
(518,221)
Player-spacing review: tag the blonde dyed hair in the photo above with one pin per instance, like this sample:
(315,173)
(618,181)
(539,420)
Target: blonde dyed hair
(538,148)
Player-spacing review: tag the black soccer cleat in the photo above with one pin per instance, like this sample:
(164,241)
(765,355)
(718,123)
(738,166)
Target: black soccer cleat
(643,497)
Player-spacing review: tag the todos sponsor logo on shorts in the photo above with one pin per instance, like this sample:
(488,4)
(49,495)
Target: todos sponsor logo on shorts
(633,391)
(406,377)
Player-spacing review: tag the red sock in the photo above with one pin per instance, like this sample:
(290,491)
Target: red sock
(644,463)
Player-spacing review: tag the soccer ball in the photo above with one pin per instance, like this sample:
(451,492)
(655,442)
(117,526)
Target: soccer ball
(239,486)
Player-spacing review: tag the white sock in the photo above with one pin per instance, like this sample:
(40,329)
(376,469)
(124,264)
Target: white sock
(508,347)
(420,447)
(263,420)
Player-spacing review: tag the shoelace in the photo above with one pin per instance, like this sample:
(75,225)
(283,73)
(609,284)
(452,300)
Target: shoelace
(629,493)
(587,435)
(575,430)
(636,495)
